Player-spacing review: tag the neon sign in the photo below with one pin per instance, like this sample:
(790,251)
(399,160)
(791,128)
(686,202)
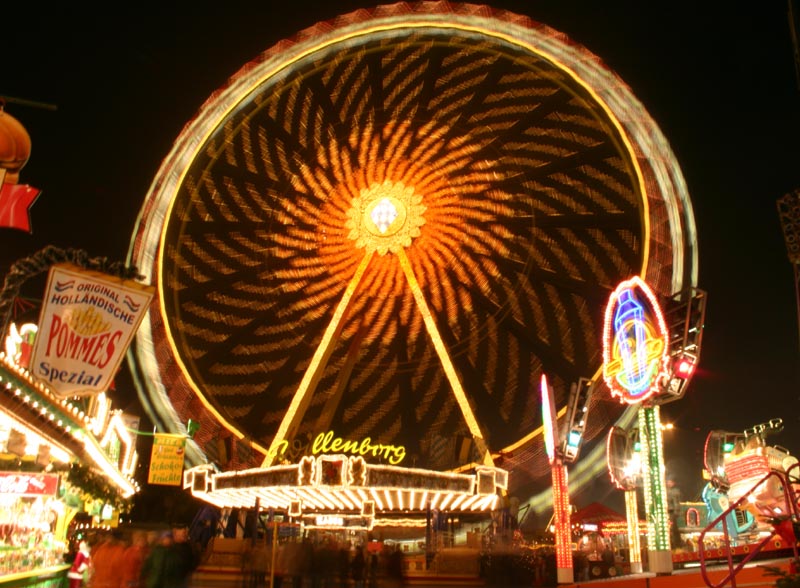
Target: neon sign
(330,521)
(328,443)
(561,508)
(19,343)
(635,342)
(548,420)
(22,484)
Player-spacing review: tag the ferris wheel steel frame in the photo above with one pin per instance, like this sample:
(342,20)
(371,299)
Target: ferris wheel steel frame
(668,255)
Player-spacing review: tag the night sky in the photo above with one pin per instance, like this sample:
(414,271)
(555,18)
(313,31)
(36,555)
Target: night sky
(104,96)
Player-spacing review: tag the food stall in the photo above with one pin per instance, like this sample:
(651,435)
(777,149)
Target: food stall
(64,450)
(603,528)
(59,458)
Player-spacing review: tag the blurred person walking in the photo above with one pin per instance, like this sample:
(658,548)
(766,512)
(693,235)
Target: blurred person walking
(182,559)
(325,560)
(343,565)
(98,547)
(108,561)
(155,566)
(358,567)
(674,498)
(132,560)
(373,570)
(394,568)
(295,563)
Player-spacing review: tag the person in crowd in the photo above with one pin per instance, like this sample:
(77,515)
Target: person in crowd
(373,570)
(394,568)
(343,565)
(255,564)
(132,560)
(540,569)
(580,563)
(295,563)
(204,534)
(107,561)
(155,573)
(181,559)
(326,561)
(358,567)
(80,566)
(607,556)
(311,567)
(98,544)
(281,560)
(674,497)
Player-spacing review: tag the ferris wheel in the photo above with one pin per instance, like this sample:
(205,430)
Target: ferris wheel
(389,226)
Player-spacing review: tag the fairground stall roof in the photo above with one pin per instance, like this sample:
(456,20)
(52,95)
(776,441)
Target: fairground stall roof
(342,491)
(54,432)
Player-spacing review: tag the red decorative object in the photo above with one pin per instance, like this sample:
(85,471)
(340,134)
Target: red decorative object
(15,149)
(331,472)
(15,204)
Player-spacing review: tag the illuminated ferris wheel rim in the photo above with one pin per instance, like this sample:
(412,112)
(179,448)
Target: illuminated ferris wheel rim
(659,178)
(650,151)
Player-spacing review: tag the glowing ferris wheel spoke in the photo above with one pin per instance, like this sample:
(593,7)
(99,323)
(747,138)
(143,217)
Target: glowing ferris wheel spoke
(441,350)
(326,416)
(297,408)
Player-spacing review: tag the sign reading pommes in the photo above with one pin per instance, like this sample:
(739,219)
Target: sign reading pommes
(87,322)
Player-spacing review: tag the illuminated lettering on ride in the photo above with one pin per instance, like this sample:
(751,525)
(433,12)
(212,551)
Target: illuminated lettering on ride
(635,342)
(328,443)
(329,521)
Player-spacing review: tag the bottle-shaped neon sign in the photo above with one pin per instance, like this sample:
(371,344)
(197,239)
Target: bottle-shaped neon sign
(630,336)
(635,342)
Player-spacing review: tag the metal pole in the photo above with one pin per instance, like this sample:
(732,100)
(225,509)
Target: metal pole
(254,529)
(634,541)
(797,299)
(274,554)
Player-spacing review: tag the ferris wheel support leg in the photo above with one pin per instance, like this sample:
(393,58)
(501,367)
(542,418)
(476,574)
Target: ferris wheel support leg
(444,357)
(300,400)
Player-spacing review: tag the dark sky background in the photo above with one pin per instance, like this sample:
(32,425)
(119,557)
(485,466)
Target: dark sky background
(104,95)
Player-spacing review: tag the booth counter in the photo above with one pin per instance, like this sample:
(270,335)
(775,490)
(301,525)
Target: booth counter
(46,577)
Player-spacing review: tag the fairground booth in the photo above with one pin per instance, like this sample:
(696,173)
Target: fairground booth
(340,497)
(67,455)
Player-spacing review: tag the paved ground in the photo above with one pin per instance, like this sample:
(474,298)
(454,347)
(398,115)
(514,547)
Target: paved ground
(753,575)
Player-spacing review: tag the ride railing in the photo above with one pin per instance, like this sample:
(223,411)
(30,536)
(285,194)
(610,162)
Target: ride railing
(793,477)
(790,510)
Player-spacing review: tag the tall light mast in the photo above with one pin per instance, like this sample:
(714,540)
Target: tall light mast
(789,211)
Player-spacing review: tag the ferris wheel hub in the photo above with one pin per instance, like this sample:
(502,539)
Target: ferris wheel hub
(386,217)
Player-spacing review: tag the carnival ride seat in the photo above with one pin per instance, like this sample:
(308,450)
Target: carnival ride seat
(747,469)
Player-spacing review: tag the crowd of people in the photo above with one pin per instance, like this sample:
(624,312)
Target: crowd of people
(324,564)
(141,559)
(167,559)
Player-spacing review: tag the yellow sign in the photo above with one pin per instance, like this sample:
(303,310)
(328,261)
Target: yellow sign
(166,460)
(328,443)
